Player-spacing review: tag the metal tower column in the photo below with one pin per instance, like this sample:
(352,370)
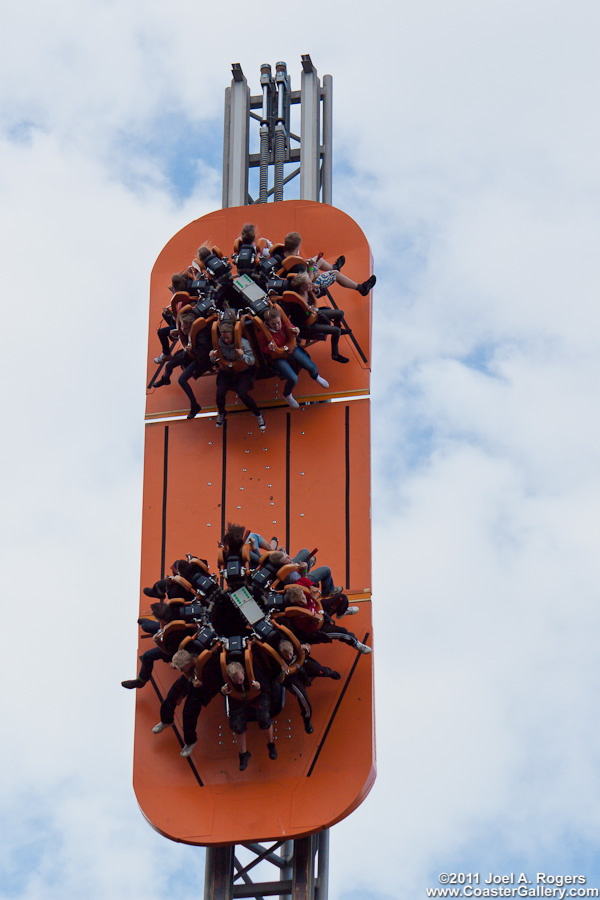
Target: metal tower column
(327,152)
(302,865)
(279,147)
(236,146)
(302,868)
(218,874)
(309,131)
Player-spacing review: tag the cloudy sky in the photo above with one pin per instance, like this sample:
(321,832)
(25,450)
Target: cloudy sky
(466,145)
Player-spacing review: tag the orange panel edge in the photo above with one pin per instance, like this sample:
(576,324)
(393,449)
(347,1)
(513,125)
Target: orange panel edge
(305,479)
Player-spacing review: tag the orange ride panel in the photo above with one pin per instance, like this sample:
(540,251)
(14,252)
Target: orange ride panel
(323,228)
(306,480)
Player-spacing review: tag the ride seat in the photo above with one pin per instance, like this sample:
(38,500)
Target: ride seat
(292,265)
(174,633)
(290,344)
(237,365)
(228,656)
(178,300)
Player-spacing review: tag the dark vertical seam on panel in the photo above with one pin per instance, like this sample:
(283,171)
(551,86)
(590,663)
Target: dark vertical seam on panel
(345,324)
(177,734)
(337,706)
(164,503)
(347,439)
(288,441)
(159,369)
(223,480)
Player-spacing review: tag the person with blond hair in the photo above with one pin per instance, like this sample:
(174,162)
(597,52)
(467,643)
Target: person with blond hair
(298,682)
(319,627)
(195,693)
(242,710)
(228,379)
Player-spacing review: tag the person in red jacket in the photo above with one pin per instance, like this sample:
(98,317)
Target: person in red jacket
(318,627)
(282,365)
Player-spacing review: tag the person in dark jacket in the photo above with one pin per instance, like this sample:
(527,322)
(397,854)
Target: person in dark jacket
(228,379)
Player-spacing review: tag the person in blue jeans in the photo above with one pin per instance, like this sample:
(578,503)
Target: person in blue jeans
(319,575)
(282,366)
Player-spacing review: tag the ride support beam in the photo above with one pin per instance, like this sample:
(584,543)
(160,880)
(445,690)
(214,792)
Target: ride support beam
(278,144)
(309,131)
(327,150)
(303,887)
(236,143)
(218,875)
(302,870)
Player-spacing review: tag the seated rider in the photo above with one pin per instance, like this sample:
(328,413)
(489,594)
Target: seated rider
(316,628)
(333,599)
(163,613)
(241,709)
(323,273)
(303,559)
(259,546)
(171,587)
(194,359)
(327,319)
(281,362)
(302,678)
(180,282)
(247,238)
(196,694)
(228,379)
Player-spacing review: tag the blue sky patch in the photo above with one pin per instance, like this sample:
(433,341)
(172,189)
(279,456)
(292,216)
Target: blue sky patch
(481,358)
(22,131)
(37,840)
(175,144)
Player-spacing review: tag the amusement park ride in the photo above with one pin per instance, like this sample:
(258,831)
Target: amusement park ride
(306,479)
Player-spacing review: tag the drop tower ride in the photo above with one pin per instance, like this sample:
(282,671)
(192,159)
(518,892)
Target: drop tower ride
(305,479)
